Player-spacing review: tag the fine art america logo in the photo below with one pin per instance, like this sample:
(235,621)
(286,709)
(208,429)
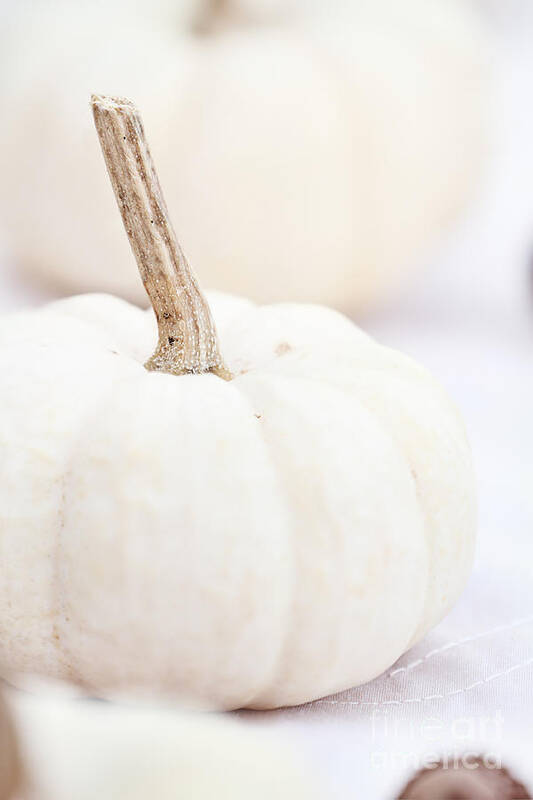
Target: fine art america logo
(433,741)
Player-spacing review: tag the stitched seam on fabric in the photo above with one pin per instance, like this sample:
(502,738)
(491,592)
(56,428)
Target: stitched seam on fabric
(429,697)
(459,642)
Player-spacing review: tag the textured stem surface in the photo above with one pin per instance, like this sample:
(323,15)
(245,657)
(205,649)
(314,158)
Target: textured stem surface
(187,337)
(10,767)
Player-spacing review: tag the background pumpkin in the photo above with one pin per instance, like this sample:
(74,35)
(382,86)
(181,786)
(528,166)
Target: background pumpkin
(261,541)
(327,146)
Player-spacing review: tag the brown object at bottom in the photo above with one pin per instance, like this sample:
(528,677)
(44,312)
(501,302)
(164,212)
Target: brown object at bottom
(10,770)
(471,781)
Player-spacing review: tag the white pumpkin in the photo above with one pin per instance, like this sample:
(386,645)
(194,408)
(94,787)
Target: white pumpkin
(259,541)
(86,750)
(293,136)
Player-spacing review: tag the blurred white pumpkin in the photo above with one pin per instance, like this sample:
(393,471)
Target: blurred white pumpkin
(327,146)
(87,750)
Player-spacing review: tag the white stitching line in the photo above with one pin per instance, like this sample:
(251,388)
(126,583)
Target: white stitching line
(499,629)
(426,698)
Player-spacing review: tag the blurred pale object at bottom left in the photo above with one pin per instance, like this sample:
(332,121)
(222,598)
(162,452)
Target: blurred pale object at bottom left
(86,749)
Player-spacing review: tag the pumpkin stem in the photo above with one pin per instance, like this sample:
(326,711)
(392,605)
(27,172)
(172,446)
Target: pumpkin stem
(213,14)
(11,774)
(188,340)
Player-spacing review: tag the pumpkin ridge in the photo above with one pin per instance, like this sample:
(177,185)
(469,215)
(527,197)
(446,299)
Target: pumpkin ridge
(416,377)
(259,378)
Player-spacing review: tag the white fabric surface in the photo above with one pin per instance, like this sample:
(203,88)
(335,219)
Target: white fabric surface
(469,685)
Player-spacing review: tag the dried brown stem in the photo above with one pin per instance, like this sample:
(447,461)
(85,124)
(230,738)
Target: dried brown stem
(187,337)
(10,766)
(212,15)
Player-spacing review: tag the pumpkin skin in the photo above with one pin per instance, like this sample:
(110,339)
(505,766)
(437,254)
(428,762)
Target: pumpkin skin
(87,750)
(260,542)
(351,137)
